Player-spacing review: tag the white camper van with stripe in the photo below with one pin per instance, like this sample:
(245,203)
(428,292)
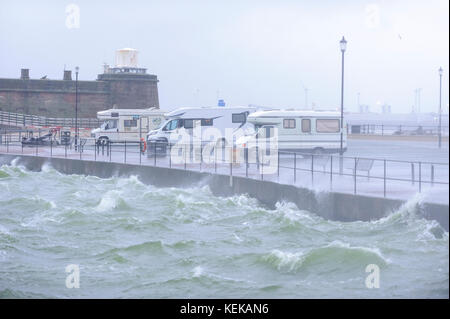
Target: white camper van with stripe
(297,130)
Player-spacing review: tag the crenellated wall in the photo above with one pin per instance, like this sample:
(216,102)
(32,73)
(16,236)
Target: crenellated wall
(56,98)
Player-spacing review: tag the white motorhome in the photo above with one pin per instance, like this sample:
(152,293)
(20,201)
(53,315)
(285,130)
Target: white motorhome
(127,124)
(225,120)
(297,130)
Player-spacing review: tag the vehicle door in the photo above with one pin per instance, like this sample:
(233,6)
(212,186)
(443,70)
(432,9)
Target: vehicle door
(265,138)
(171,129)
(306,138)
(111,129)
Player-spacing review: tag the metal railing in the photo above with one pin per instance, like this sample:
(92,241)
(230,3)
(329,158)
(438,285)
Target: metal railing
(360,175)
(18,119)
(389,129)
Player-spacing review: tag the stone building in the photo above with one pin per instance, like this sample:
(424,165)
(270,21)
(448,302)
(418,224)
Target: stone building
(123,86)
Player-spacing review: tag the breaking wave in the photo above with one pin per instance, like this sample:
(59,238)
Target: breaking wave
(335,253)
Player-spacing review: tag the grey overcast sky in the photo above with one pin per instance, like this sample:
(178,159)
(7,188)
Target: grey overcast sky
(246,52)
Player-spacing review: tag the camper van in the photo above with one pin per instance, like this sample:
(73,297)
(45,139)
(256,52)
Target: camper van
(296,130)
(127,124)
(226,120)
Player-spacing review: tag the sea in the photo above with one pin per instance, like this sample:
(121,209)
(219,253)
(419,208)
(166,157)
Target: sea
(75,236)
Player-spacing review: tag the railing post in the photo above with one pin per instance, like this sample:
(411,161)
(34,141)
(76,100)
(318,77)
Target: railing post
(420,177)
(140,152)
(231,163)
(278,165)
(354,176)
(412,173)
(110,149)
(7,144)
(170,154)
(95,150)
(201,156)
(246,161)
(295,168)
(331,171)
(125,152)
(65,151)
(185,154)
(262,165)
(51,148)
(384,177)
(312,169)
(154,153)
(215,158)
(432,174)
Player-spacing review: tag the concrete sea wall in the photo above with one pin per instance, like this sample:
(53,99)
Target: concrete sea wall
(330,205)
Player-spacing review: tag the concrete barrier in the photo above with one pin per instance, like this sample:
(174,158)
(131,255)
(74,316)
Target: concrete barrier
(330,205)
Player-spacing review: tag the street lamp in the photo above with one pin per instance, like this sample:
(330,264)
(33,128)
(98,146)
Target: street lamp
(76,107)
(440,106)
(343,44)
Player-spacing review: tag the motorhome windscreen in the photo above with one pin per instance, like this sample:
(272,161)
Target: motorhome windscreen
(171,125)
(109,124)
(327,126)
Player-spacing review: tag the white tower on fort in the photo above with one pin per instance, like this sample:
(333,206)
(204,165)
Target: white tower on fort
(126,58)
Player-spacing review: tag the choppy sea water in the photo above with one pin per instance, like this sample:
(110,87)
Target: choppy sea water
(132,240)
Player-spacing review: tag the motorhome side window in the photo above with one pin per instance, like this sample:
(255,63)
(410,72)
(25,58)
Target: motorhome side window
(306,125)
(327,126)
(289,123)
(239,117)
(188,123)
(130,123)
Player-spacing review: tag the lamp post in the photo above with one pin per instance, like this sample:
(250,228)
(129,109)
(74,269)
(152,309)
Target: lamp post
(76,107)
(343,44)
(440,106)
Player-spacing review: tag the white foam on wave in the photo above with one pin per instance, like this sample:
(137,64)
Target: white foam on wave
(108,201)
(372,250)
(132,179)
(40,219)
(197,271)
(15,162)
(239,239)
(431,231)
(4,230)
(290,261)
(408,210)
(286,260)
(47,168)
(290,211)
